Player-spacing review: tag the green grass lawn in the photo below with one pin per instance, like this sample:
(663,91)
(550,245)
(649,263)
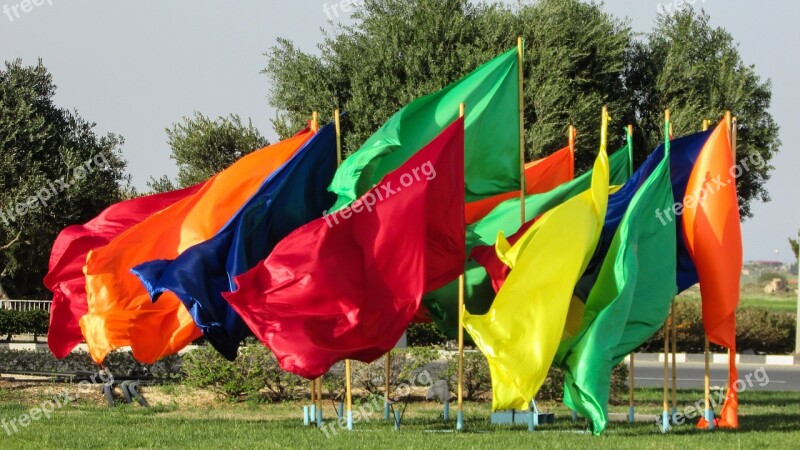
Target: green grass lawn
(782,304)
(767,420)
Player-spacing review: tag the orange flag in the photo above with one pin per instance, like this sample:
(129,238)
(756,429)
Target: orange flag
(714,239)
(120,311)
(541,175)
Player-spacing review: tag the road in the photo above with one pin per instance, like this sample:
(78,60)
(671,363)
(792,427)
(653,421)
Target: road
(690,376)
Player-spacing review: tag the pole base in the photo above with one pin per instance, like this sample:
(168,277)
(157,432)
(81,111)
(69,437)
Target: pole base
(319,417)
(709,415)
(674,416)
(350,420)
(306,416)
(340,410)
(446,412)
(387,415)
(665,421)
(632,414)
(460,421)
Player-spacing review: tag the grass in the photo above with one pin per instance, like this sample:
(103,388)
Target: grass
(750,298)
(767,419)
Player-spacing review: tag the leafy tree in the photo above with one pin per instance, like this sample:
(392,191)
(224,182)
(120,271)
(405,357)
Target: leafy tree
(202,147)
(696,71)
(399,50)
(795,243)
(577,59)
(54,171)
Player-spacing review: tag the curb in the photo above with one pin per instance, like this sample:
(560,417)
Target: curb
(720,358)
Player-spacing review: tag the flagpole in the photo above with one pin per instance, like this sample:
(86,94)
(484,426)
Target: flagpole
(665,419)
(348,374)
(314,122)
(631,406)
(319,402)
(461,288)
(708,413)
(520,52)
(674,331)
(386,378)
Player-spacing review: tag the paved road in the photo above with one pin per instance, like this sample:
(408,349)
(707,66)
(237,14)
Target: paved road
(690,376)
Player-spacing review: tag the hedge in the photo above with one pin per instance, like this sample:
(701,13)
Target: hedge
(121,364)
(33,322)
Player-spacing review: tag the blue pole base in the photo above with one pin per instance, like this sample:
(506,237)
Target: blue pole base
(665,421)
(306,417)
(709,415)
(386,410)
(397,420)
(340,410)
(446,413)
(674,416)
(319,418)
(574,416)
(350,420)
(631,414)
(312,413)
(460,421)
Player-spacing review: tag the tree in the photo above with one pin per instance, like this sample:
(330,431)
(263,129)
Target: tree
(202,147)
(54,171)
(697,72)
(795,243)
(399,50)
(577,59)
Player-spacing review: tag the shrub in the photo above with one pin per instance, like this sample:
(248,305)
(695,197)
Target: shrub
(425,335)
(254,375)
(757,329)
(766,277)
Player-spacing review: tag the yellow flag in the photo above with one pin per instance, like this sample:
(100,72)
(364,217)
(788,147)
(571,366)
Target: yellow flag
(520,333)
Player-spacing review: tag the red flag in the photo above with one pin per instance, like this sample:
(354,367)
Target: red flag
(65,277)
(541,175)
(714,239)
(347,285)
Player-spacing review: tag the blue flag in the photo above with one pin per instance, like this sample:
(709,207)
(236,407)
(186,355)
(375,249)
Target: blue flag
(683,155)
(290,197)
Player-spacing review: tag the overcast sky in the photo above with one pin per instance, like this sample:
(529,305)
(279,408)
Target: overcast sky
(137,67)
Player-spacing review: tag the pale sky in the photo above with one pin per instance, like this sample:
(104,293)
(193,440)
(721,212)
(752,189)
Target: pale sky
(137,67)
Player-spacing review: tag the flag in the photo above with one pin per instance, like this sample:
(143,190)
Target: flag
(491,147)
(632,292)
(120,311)
(347,285)
(65,278)
(442,304)
(713,234)
(290,197)
(520,333)
(541,176)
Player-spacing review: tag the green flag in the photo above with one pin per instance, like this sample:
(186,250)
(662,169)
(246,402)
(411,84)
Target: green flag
(443,303)
(491,147)
(636,284)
